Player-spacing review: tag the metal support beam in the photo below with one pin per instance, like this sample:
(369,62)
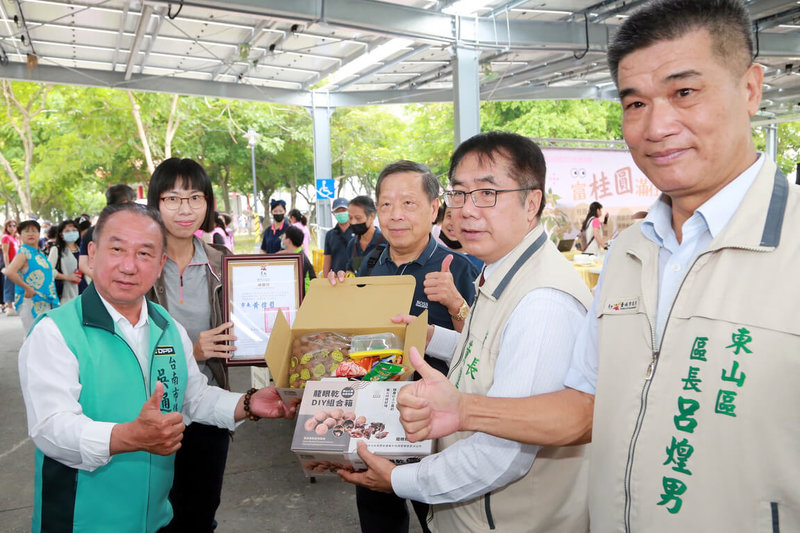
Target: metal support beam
(771,136)
(141,29)
(159,84)
(381,66)
(321,119)
(466,94)
(122,19)
(159,13)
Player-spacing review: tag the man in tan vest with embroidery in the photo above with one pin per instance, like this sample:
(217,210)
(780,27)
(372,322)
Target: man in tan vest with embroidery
(691,345)
(517,341)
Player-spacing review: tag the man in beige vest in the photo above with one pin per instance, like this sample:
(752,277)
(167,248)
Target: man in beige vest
(691,345)
(517,341)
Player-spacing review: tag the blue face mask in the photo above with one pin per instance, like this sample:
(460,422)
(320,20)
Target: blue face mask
(71,236)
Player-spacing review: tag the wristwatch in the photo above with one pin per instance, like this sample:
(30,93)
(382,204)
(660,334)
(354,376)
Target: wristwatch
(462,311)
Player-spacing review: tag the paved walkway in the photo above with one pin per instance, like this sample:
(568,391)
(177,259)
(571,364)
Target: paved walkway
(264,491)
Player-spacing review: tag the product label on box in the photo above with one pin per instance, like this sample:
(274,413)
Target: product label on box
(336,414)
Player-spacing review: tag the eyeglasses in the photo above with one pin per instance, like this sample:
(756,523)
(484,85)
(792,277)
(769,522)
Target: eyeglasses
(480,197)
(173,203)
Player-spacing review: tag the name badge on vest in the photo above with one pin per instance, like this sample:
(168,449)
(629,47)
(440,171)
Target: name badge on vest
(165,368)
(624,306)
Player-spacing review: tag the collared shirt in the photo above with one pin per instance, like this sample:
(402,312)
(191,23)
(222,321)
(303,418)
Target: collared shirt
(430,260)
(271,241)
(50,380)
(356,255)
(336,246)
(674,260)
(187,297)
(534,358)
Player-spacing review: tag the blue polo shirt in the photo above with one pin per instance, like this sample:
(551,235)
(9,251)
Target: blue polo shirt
(271,239)
(336,246)
(430,260)
(355,255)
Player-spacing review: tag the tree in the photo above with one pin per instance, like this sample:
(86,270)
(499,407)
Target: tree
(363,141)
(22,103)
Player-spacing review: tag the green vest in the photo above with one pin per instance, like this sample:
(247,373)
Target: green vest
(129,494)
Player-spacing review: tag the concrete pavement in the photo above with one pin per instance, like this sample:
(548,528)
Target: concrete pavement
(264,491)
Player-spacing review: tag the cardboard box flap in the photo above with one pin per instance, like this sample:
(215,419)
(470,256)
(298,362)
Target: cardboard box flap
(275,354)
(329,307)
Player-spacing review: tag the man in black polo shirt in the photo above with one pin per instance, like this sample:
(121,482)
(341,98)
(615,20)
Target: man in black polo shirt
(408,201)
(335,258)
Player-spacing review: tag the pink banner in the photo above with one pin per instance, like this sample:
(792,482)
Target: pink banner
(577,177)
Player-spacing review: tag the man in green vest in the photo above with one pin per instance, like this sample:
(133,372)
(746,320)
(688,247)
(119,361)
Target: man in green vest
(109,384)
(516,341)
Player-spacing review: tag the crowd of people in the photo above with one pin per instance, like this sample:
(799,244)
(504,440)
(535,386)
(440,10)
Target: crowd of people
(651,405)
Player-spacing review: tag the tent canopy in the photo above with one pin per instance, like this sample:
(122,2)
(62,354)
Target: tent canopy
(352,52)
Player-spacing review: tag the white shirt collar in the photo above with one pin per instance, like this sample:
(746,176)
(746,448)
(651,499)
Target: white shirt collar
(117,317)
(491,267)
(715,213)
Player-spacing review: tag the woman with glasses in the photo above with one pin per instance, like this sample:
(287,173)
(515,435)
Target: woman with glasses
(10,247)
(190,288)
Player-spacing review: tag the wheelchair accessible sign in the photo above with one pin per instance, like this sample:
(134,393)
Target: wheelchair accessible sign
(325,188)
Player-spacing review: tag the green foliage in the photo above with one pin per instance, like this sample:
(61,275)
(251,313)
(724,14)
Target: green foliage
(363,141)
(788,144)
(562,119)
(86,139)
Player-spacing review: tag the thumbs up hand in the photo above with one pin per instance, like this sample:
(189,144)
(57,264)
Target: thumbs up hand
(431,407)
(152,431)
(440,287)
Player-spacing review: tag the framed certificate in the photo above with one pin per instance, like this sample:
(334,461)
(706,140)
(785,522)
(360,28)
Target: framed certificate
(255,288)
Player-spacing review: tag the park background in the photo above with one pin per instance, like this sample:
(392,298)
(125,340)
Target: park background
(62,146)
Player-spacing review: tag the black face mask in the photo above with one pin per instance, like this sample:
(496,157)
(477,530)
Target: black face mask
(453,245)
(359,229)
(278,217)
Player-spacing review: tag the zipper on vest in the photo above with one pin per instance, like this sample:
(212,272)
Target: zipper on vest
(651,368)
(648,380)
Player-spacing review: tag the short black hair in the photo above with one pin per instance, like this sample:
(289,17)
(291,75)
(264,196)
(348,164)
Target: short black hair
(430,184)
(25,223)
(525,159)
(143,210)
(118,194)
(727,21)
(366,203)
(191,175)
(294,234)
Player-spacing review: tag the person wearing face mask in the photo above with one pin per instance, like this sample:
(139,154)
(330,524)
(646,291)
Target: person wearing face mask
(64,258)
(366,237)
(271,241)
(336,239)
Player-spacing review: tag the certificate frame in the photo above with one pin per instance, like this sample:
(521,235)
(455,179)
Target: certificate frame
(254,289)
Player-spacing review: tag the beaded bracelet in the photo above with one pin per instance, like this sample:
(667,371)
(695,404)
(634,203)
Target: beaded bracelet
(247,397)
